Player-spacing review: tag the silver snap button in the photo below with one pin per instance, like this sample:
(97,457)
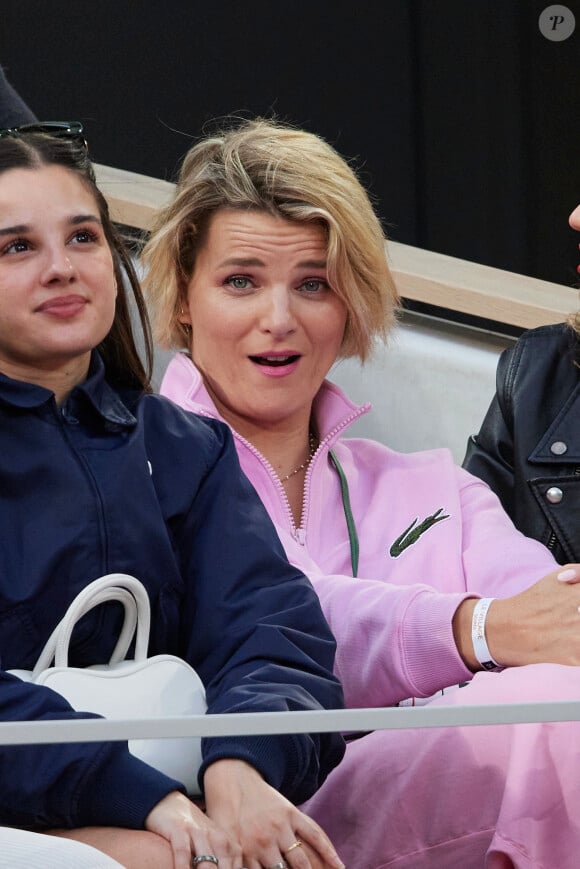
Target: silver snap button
(558,448)
(554,495)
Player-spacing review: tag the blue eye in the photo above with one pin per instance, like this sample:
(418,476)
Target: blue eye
(239,282)
(314,285)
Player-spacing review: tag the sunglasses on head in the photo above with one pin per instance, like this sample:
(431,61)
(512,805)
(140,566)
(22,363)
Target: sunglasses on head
(72,130)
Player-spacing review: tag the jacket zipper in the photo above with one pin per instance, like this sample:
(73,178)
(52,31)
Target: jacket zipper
(298,533)
(89,476)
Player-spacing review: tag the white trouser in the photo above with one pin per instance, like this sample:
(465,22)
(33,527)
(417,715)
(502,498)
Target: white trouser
(20,849)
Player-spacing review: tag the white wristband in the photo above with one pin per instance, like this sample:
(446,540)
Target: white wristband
(480,646)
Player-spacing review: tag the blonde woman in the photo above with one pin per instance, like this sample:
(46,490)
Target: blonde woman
(268,266)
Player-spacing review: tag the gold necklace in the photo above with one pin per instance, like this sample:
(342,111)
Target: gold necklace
(312,447)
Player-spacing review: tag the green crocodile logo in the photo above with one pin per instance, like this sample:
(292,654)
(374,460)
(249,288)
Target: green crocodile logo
(411,534)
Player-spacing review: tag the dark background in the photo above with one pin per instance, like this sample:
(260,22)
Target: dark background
(464,119)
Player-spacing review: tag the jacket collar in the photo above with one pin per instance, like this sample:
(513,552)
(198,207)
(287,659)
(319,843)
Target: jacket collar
(184,384)
(95,389)
(560,443)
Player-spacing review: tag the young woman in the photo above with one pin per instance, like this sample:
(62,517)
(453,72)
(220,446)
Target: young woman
(267,267)
(528,449)
(99,476)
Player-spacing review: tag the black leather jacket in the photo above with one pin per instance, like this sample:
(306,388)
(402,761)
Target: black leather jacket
(528,448)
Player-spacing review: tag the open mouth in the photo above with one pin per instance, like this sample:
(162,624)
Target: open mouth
(274,361)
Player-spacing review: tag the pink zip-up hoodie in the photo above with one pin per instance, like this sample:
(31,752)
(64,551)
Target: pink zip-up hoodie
(400,642)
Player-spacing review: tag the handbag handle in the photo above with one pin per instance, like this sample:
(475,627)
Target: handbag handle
(115,586)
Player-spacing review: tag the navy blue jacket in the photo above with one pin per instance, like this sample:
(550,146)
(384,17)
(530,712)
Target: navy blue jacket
(132,484)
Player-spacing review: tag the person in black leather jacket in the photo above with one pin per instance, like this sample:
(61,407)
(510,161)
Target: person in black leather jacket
(528,447)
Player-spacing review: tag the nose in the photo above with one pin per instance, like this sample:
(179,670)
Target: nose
(278,316)
(574,219)
(59,266)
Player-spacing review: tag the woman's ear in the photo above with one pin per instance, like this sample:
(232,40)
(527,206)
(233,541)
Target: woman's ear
(183,316)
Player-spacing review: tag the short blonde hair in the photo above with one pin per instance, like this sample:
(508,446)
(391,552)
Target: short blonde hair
(264,165)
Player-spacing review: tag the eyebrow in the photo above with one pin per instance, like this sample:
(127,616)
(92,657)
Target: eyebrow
(313,264)
(249,262)
(77,219)
(83,218)
(14,230)
(241,261)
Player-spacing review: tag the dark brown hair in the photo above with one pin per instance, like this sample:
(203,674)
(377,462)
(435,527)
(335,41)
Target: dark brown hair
(118,349)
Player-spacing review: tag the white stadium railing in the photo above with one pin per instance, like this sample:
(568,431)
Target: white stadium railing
(263,723)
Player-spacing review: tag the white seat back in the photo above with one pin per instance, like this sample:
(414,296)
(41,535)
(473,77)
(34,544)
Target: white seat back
(430,386)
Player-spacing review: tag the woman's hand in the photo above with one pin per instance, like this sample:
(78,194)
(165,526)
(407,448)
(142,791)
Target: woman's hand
(540,625)
(264,823)
(191,833)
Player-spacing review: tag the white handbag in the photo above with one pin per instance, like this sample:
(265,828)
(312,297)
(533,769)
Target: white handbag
(164,685)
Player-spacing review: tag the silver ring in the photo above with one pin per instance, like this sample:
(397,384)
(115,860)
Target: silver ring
(280,865)
(205,858)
